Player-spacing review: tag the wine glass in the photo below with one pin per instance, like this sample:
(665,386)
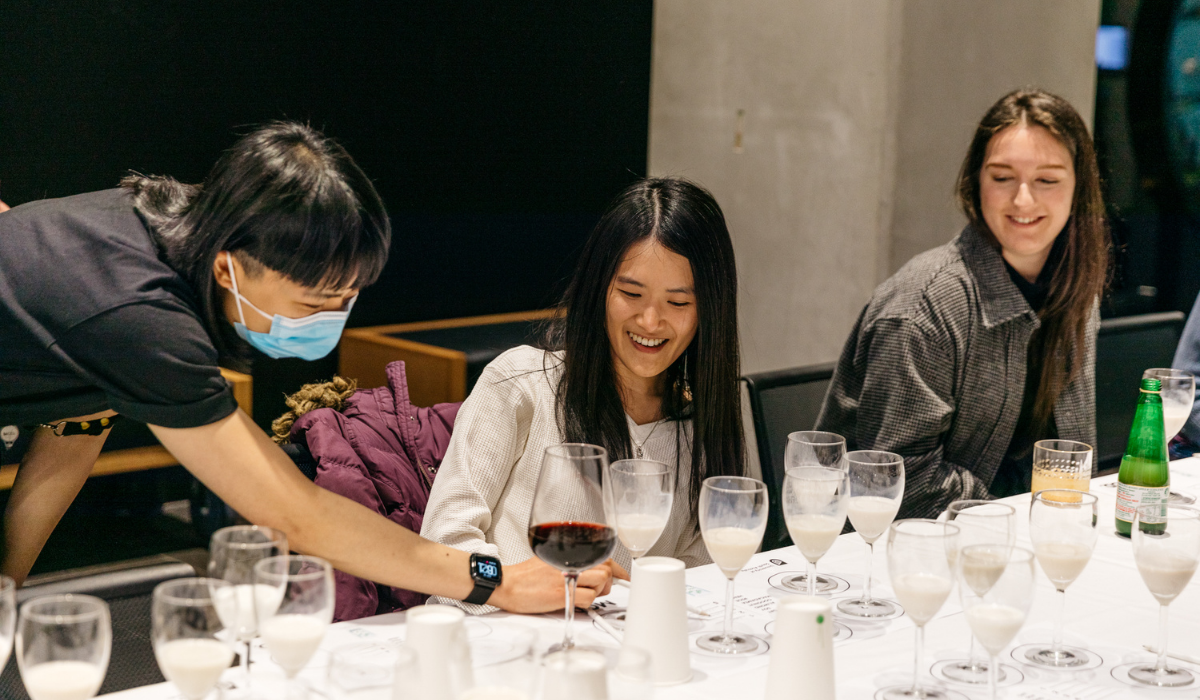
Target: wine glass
(638,495)
(187,633)
(370,670)
(1061,464)
(733,518)
(920,556)
(232,553)
(1166,547)
(63,644)
(814,508)
(292,620)
(876,487)
(1178,397)
(1062,525)
(8,617)
(571,477)
(991,525)
(996,611)
(813,448)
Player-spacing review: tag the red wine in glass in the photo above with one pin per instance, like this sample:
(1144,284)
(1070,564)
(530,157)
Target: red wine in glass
(572,546)
(568,528)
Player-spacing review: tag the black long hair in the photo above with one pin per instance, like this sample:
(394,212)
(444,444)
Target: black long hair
(685,219)
(285,197)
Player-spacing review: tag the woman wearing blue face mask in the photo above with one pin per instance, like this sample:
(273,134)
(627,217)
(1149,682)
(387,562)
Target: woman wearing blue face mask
(122,303)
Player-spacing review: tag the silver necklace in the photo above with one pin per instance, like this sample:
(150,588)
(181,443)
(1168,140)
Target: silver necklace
(637,446)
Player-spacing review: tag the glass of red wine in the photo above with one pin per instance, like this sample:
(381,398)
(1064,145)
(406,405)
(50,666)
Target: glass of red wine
(567,526)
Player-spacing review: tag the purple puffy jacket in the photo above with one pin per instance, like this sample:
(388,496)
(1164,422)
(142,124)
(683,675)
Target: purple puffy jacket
(382,452)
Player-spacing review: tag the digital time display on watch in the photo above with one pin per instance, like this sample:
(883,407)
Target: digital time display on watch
(487,569)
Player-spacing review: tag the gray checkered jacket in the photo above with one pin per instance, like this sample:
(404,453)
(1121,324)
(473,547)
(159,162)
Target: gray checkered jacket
(935,371)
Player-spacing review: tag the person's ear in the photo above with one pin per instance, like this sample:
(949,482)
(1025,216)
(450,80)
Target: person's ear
(221,270)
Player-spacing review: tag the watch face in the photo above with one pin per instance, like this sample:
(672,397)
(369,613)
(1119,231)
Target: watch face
(486,568)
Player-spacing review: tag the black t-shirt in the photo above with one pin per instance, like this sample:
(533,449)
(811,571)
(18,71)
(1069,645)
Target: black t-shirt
(92,319)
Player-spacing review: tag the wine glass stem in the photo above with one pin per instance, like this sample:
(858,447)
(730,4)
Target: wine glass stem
(728,610)
(919,651)
(246,661)
(1056,646)
(866,596)
(812,578)
(993,674)
(973,660)
(570,578)
(296,689)
(1160,666)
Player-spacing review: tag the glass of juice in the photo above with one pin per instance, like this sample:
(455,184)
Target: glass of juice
(1061,464)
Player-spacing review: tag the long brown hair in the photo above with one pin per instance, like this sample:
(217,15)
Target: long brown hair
(1082,274)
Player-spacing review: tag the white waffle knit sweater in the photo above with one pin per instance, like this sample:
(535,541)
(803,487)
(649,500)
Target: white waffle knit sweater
(483,492)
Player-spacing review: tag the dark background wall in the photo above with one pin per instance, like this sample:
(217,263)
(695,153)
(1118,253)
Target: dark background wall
(495,132)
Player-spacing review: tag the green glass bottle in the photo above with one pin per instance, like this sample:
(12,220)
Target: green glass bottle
(1145,477)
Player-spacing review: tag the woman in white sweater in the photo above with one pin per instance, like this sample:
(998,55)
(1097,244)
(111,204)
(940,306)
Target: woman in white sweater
(643,360)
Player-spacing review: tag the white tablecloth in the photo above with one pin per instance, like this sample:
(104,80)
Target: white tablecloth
(1109,611)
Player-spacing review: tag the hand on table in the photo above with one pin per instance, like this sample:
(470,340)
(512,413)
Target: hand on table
(534,586)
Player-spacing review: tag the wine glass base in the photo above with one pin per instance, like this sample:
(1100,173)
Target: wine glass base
(920,692)
(874,609)
(1067,658)
(1180,499)
(799,583)
(733,645)
(964,671)
(1143,674)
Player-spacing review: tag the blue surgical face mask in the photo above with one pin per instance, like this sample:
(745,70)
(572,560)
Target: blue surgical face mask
(308,338)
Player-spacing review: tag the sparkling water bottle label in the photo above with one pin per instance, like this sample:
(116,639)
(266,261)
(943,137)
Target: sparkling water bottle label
(1130,497)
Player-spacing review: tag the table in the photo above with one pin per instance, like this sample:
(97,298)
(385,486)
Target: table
(1109,611)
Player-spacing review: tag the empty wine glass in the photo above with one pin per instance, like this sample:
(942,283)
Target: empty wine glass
(1061,464)
(993,525)
(1166,547)
(293,620)
(638,495)
(232,553)
(921,555)
(733,518)
(876,487)
(814,508)
(815,448)
(370,670)
(1062,525)
(571,474)
(63,644)
(187,632)
(996,595)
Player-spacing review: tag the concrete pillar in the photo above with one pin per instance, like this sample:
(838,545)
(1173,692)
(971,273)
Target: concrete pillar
(831,132)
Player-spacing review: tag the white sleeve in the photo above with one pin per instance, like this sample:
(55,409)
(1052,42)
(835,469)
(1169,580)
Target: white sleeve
(489,438)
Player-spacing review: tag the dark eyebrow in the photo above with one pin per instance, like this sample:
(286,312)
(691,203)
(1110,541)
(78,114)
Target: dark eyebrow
(1009,167)
(630,281)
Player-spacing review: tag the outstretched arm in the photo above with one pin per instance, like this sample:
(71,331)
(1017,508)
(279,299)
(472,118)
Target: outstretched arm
(249,472)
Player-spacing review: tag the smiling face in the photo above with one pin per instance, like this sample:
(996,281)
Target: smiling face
(1026,189)
(651,314)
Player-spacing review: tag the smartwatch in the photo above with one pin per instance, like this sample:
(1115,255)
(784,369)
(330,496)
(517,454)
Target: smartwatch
(487,575)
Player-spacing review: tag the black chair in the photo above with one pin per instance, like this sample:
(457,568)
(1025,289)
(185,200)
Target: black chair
(783,402)
(126,586)
(1125,348)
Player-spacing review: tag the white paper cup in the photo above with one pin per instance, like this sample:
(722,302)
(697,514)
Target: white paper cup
(575,674)
(657,618)
(437,634)
(802,649)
